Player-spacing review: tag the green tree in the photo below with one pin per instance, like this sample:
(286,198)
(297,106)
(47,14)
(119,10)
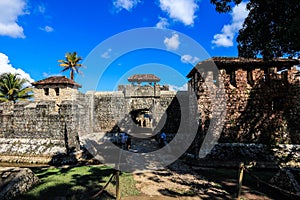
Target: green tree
(271,29)
(12,88)
(71,63)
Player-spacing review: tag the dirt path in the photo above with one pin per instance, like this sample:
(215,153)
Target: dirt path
(178,182)
(181,181)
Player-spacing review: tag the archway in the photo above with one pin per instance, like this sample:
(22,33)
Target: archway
(142,117)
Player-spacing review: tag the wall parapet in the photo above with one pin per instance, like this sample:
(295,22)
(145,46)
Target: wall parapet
(262,99)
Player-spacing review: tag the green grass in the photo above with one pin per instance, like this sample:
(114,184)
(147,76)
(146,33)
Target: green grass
(78,183)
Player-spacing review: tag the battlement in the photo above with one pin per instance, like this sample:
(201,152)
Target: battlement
(142,90)
(262,98)
(243,72)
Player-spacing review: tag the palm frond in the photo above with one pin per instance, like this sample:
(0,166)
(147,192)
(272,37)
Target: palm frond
(12,87)
(71,63)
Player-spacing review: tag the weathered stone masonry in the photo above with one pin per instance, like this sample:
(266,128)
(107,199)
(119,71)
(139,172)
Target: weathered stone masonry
(123,106)
(60,114)
(262,105)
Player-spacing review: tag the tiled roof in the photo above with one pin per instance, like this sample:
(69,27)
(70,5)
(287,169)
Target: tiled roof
(232,63)
(143,78)
(56,80)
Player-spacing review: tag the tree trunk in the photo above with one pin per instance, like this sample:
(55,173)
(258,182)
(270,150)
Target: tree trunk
(72,75)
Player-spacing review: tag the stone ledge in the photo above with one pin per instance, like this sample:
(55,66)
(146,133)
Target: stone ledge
(29,150)
(265,156)
(25,159)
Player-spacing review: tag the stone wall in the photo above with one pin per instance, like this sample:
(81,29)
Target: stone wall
(257,155)
(24,150)
(231,154)
(109,108)
(115,109)
(36,131)
(262,106)
(43,124)
(56,94)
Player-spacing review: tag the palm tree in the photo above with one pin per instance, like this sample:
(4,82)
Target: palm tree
(12,88)
(71,63)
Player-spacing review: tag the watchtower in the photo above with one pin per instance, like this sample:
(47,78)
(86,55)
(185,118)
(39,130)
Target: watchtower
(55,88)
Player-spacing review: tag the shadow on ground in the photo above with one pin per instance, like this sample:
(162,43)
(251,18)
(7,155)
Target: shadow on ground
(69,183)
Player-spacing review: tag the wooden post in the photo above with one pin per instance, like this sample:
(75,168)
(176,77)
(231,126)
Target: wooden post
(118,191)
(240,180)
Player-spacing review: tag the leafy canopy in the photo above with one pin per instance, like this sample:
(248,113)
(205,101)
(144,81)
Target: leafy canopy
(12,88)
(71,63)
(271,29)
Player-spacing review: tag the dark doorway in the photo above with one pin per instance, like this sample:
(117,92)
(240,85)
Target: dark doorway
(142,117)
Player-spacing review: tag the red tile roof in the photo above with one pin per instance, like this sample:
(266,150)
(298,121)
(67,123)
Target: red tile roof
(57,80)
(143,78)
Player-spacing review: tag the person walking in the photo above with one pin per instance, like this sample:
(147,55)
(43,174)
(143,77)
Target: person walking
(124,138)
(163,139)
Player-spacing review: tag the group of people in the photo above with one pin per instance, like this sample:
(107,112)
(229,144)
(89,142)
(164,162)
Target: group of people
(126,140)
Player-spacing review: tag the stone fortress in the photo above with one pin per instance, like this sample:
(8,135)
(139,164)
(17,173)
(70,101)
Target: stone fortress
(262,105)
(36,130)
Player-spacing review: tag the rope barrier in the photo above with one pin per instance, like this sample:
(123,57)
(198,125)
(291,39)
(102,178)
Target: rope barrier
(285,192)
(102,189)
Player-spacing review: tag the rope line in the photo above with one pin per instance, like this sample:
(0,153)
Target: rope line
(289,193)
(102,189)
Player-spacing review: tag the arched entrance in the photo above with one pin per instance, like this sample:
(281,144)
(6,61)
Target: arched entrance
(142,117)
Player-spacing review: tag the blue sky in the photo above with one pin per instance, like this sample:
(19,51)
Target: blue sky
(34,34)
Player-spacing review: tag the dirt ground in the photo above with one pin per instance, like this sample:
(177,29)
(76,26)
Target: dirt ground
(178,182)
(183,182)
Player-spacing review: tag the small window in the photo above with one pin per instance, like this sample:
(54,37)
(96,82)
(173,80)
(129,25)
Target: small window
(57,91)
(232,78)
(250,77)
(46,91)
(284,76)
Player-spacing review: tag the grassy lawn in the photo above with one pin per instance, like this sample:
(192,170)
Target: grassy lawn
(78,183)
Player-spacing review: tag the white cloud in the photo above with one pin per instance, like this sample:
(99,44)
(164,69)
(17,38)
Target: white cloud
(47,29)
(9,13)
(6,67)
(173,42)
(163,23)
(176,88)
(180,10)
(106,54)
(189,59)
(41,9)
(238,14)
(125,4)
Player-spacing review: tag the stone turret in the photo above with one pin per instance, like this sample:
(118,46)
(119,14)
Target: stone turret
(55,88)
(138,88)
